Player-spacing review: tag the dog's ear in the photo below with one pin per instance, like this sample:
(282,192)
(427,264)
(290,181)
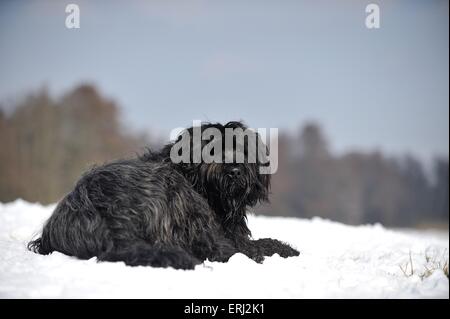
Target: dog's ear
(165,152)
(262,160)
(264,179)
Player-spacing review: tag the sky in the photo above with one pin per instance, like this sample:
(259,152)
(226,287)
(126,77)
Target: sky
(269,63)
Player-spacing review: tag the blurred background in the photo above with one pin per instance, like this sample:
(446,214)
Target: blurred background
(363,113)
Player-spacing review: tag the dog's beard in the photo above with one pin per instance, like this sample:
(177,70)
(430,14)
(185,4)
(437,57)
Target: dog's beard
(234,193)
(231,192)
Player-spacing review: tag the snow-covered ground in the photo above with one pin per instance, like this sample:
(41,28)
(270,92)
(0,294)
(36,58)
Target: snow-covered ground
(336,261)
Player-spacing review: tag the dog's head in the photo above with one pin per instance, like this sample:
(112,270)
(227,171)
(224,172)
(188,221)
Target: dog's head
(223,164)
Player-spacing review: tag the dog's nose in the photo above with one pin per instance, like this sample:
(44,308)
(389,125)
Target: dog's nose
(235,172)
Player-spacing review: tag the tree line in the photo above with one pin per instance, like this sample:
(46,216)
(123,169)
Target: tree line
(356,187)
(47,143)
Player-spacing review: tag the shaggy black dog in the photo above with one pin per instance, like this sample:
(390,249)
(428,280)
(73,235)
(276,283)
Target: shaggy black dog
(152,211)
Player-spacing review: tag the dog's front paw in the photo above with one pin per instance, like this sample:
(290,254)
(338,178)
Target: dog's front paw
(258,258)
(272,246)
(288,251)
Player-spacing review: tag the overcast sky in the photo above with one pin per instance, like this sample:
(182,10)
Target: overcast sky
(270,63)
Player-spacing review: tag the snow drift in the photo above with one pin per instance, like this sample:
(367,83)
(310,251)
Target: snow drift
(336,261)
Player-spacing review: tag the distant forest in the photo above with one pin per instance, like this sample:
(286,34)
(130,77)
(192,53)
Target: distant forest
(47,143)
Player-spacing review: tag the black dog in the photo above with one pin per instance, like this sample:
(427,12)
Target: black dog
(152,211)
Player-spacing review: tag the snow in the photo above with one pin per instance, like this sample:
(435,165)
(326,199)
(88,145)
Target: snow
(336,261)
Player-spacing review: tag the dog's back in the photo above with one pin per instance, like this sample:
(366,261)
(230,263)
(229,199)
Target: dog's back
(128,211)
(78,227)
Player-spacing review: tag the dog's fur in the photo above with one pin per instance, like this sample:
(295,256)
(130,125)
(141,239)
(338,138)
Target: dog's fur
(151,211)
